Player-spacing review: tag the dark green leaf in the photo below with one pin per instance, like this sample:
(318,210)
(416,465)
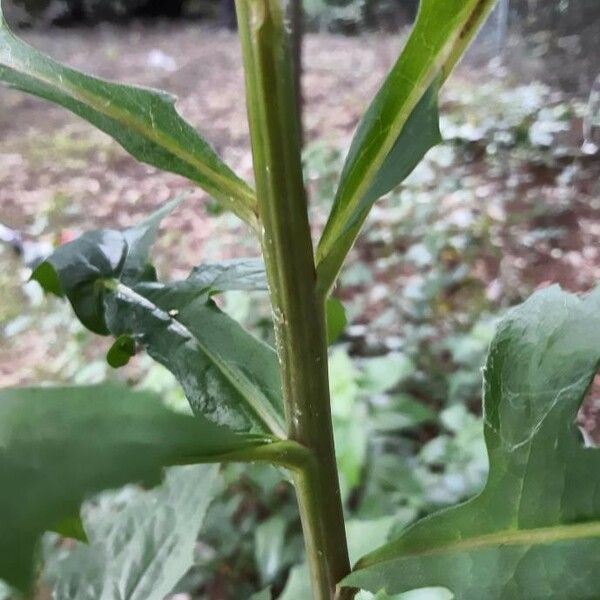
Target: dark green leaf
(336,319)
(121,351)
(79,268)
(45,274)
(61,445)
(139,548)
(143,121)
(534,532)
(420,133)
(227,374)
(400,125)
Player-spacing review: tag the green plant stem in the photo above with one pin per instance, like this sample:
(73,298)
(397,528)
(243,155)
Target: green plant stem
(298,311)
(305,469)
(309,486)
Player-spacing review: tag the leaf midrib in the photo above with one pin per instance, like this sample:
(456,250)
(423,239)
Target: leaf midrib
(523,537)
(256,399)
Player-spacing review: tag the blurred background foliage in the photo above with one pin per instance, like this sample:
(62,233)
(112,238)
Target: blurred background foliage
(508,203)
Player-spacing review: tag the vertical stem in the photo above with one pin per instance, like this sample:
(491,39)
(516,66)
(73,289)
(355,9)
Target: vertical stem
(297,309)
(307,483)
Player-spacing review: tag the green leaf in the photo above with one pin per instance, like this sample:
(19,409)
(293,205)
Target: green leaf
(400,125)
(534,531)
(142,546)
(335,315)
(45,274)
(61,445)
(229,275)
(139,239)
(79,268)
(143,121)
(420,133)
(227,374)
(121,351)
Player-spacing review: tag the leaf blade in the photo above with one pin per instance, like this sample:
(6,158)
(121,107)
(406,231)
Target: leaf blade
(246,274)
(400,125)
(539,513)
(227,374)
(143,121)
(121,351)
(335,319)
(64,444)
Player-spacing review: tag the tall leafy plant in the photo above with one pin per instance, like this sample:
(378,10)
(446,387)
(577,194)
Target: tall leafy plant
(534,530)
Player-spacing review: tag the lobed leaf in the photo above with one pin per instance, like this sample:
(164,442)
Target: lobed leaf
(534,531)
(228,375)
(60,445)
(143,121)
(400,125)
